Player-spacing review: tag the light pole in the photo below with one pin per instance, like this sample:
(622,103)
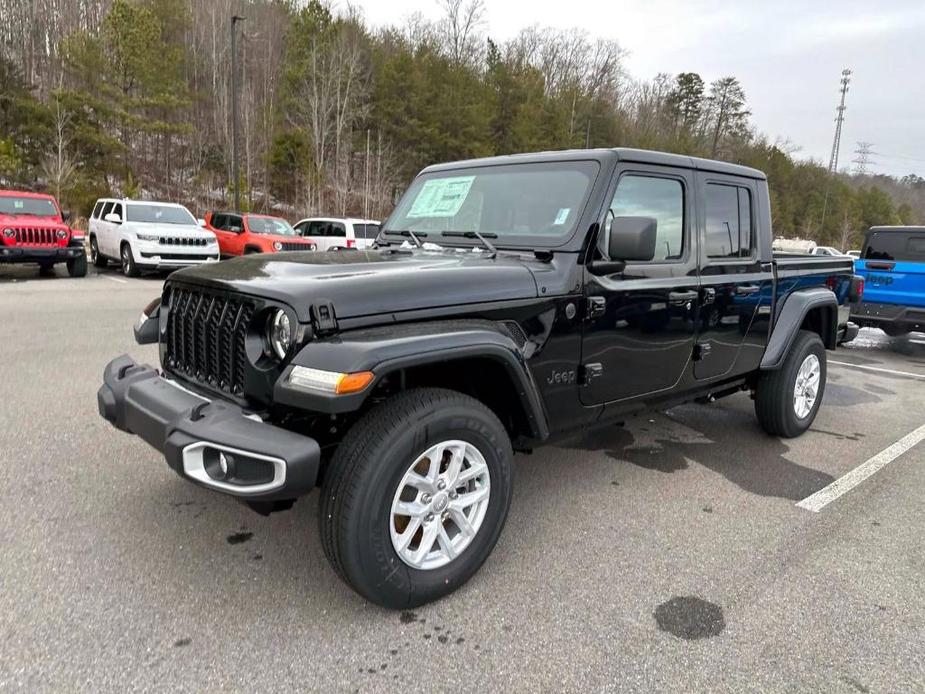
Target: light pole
(234,115)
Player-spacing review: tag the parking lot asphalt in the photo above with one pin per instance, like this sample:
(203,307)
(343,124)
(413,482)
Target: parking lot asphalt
(665,555)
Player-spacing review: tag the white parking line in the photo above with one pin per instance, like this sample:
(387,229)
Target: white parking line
(907,374)
(816,502)
(116,279)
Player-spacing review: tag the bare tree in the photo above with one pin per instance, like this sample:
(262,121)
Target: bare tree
(59,165)
(461,22)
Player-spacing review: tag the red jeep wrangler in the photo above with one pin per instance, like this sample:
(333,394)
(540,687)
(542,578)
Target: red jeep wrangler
(34,230)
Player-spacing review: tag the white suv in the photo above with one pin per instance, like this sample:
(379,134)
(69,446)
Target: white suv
(148,236)
(338,233)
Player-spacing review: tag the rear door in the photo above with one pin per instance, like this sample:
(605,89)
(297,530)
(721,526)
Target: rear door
(639,335)
(893,266)
(734,282)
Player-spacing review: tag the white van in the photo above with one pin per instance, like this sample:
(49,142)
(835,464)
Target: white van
(148,236)
(339,233)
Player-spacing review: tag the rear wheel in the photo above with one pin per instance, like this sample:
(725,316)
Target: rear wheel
(77,267)
(129,268)
(98,259)
(415,496)
(788,398)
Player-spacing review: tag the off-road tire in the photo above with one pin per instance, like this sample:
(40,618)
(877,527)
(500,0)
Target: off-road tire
(774,401)
(98,259)
(129,268)
(363,476)
(77,267)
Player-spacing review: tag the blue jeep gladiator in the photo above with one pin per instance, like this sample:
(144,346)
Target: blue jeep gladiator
(510,302)
(892,264)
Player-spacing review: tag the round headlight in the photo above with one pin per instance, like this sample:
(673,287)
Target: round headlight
(9,233)
(62,233)
(279,333)
(277,246)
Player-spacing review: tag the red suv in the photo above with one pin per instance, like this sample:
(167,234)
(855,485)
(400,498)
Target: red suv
(34,230)
(243,234)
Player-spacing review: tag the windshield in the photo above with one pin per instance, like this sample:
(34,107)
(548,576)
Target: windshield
(158,214)
(40,207)
(528,204)
(270,225)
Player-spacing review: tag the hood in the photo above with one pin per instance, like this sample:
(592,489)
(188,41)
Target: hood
(362,283)
(180,230)
(28,220)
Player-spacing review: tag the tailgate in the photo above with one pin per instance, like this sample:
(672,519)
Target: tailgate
(893,282)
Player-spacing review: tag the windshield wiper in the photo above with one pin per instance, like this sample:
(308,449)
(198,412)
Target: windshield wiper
(476,235)
(415,236)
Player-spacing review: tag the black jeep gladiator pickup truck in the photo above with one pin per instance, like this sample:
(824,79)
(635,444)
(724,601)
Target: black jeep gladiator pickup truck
(509,301)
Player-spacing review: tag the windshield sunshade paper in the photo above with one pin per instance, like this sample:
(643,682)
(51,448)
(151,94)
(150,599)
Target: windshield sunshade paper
(441,197)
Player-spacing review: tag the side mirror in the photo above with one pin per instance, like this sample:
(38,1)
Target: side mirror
(66,215)
(113,217)
(631,238)
(201,222)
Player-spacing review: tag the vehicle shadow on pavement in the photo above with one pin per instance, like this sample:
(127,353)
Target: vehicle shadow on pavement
(668,443)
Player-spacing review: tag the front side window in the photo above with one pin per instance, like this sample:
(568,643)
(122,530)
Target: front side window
(158,214)
(531,204)
(96,209)
(729,221)
(662,199)
(37,207)
(117,210)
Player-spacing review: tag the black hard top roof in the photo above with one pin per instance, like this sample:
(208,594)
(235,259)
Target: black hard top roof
(917,229)
(638,156)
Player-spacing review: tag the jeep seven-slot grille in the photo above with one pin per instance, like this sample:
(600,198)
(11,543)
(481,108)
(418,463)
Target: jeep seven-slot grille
(37,237)
(206,336)
(295,246)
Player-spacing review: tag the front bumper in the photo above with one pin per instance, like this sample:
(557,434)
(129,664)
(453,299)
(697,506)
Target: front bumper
(875,315)
(260,461)
(38,254)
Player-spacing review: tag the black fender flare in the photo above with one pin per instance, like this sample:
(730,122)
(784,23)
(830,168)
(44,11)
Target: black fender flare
(387,349)
(790,317)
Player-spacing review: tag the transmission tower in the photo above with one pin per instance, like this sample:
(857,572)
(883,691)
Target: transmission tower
(863,159)
(839,119)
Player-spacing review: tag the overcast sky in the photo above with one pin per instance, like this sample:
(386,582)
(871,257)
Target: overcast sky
(788,54)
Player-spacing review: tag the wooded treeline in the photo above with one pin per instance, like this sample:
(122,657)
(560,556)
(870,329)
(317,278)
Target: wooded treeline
(131,97)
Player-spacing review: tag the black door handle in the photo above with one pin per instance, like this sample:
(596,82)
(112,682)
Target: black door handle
(681,298)
(747,289)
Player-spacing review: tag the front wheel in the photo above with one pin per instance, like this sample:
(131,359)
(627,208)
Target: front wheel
(788,398)
(77,267)
(129,268)
(415,496)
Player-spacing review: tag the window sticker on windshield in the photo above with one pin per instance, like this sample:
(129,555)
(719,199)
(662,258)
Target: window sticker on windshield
(562,216)
(441,197)
(18,204)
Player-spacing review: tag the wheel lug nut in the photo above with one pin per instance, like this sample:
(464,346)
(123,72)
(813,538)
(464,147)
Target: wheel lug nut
(441,485)
(425,499)
(428,518)
(453,494)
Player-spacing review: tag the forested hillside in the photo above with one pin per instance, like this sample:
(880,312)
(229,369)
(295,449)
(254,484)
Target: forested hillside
(132,97)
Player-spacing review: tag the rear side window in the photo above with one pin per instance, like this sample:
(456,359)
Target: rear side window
(107,208)
(729,221)
(895,245)
(335,229)
(659,198)
(234,222)
(366,231)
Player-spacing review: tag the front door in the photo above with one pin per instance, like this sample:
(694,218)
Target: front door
(735,290)
(639,333)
